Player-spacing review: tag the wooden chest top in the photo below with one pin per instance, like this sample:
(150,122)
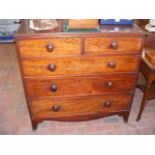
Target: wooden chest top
(110,30)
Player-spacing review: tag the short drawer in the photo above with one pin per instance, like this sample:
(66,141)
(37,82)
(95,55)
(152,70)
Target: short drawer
(70,107)
(112,45)
(79,86)
(80,65)
(49,47)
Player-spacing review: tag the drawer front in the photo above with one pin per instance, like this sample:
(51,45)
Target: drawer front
(112,45)
(49,47)
(59,108)
(78,86)
(80,65)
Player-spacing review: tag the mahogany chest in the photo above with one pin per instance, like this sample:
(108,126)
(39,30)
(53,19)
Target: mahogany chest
(73,76)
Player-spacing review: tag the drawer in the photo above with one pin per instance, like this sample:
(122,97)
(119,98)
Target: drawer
(49,47)
(80,65)
(65,107)
(112,45)
(89,85)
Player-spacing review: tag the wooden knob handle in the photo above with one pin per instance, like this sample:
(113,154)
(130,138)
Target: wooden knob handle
(50,47)
(114,44)
(52,67)
(111,64)
(56,108)
(107,104)
(110,84)
(53,88)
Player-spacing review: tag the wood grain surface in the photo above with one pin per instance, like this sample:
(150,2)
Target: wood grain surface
(61,46)
(83,23)
(79,86)
(104,45)
(80,65)
(43,109)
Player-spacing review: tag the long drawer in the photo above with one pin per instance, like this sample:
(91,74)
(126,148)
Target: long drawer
(112,45)
(77,86)
(49,47)
(65,107)
(80,65)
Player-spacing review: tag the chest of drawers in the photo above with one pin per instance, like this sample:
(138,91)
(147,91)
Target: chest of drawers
(79,76)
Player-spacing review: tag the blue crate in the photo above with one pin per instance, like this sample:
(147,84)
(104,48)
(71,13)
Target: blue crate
(115,22)
(7,30)
(7,37)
